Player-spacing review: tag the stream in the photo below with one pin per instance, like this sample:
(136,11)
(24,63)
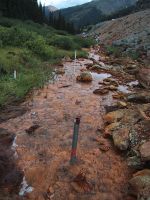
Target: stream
(44,155)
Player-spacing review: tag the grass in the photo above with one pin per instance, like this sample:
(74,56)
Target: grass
(32,49)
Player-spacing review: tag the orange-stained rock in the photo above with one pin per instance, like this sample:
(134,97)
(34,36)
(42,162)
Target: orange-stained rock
(110,128)
(114,116)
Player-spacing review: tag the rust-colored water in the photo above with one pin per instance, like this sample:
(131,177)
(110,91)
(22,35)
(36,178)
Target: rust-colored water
(44,156)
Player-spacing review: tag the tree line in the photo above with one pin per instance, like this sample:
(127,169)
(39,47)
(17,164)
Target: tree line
(58,21)
(22,9)
(32,10)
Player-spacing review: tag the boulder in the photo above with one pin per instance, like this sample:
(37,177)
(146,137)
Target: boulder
(143,77)
(114,116)
(84,77)
(140,184)
(145,151)
(121,138)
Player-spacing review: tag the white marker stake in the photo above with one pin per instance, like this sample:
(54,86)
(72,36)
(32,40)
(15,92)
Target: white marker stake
(75,57)
(15,74)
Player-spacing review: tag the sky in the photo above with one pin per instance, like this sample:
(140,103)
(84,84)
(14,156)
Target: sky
(63,3)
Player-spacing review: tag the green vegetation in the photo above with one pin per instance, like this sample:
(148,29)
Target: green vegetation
(31,49)
(118,51)
(113,50)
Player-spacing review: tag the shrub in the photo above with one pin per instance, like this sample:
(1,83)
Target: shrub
(62,42)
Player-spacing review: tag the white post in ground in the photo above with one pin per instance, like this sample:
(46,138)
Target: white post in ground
(15,74)
(75,58)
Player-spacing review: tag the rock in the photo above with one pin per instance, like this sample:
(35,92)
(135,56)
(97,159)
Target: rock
(110,81)
(143,77)
(112,88)
(110,128)
(95,67)
(85,77)
(60,71)
(140,97)
(111,108)
(140,184)
(66,59)
(118,96)
(114,116)
(6,138)
(121,138)
(122,104)
(101,91)
(32,129)
(132,69)
(135,162)
(145,151)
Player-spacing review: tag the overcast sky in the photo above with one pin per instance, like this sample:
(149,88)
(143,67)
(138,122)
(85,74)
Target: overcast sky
(63,3)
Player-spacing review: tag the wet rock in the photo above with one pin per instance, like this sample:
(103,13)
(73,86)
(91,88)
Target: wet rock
(114,116)
(140,97)
(143,77)
(118,96)
(95,67)
(85,77)
(101,91)
(145,151)
(140,184)
(110,81)
(111,108)
(6,137)
(110,128)
(32,129)
(122,104)
(121,138)
(112,88)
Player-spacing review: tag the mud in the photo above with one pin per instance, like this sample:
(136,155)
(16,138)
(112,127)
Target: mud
(44,155)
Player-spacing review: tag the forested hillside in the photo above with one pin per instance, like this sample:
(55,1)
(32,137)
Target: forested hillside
(22,9)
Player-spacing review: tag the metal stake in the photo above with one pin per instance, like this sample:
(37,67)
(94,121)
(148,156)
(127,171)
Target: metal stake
(75,141)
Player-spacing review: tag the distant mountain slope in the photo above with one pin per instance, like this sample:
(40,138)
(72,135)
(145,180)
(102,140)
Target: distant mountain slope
(49,9)
(131,31)
(92,12)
